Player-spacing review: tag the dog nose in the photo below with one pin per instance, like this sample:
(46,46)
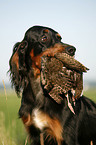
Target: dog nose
(71,50)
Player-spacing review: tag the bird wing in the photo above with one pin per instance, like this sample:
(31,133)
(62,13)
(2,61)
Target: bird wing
(55,78)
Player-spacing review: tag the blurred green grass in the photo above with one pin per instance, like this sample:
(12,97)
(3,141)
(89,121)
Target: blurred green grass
(12,131)
(91,93)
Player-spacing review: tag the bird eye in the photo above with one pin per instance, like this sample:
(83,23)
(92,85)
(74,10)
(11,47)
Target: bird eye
(44,38)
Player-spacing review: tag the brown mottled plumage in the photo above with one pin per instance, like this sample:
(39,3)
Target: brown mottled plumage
(61,74)
(71,63)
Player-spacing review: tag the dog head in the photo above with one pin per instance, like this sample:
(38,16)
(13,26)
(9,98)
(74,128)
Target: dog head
(26,56)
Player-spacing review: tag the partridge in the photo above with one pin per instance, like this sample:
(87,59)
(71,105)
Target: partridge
(62,74)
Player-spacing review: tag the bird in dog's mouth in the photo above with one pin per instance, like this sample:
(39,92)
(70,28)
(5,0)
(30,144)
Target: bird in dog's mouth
(62,75)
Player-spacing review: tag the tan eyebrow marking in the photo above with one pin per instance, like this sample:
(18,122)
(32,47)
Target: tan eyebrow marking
(46,31)
(58,35)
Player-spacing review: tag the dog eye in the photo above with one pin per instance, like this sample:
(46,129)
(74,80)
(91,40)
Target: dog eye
(44,38)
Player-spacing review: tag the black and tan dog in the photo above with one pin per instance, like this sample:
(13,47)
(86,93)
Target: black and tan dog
(39,112)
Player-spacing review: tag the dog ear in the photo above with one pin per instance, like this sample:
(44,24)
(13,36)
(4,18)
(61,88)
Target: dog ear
(18,69)
(22,52)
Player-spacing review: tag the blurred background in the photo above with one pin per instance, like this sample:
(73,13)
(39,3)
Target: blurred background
(75,20)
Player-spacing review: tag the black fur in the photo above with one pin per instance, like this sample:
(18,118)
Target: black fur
(78,129)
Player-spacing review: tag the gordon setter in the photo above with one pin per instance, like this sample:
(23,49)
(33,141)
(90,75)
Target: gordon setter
(40,113)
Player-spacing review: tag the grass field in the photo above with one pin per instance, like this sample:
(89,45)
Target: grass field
(12,131)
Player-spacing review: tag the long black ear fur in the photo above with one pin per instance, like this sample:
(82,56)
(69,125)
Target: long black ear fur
(19,77)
